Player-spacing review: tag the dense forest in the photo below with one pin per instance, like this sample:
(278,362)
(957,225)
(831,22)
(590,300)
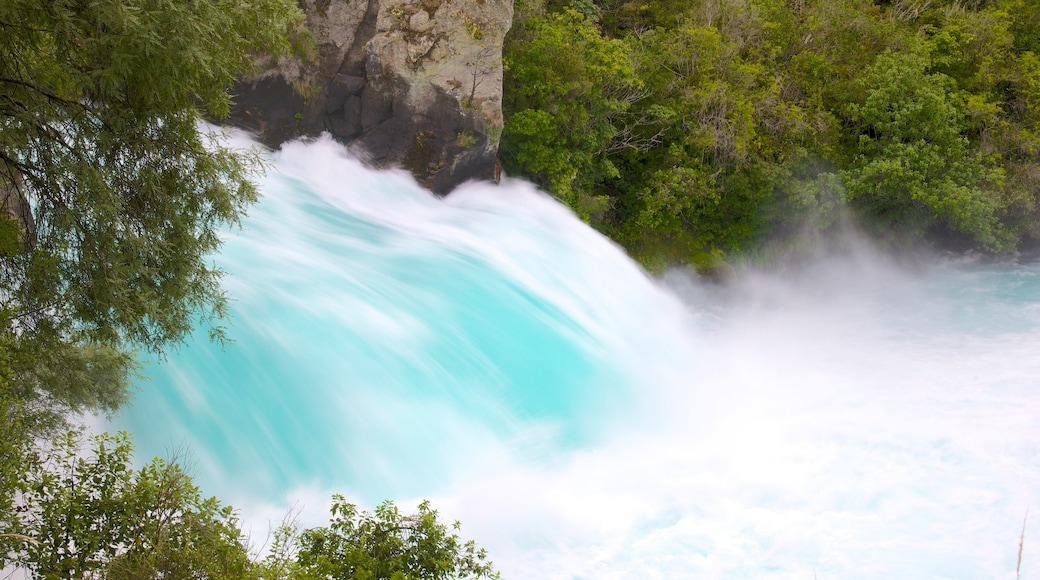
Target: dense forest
(693,131)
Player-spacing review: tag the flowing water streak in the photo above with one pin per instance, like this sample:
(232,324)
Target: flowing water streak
(853,420)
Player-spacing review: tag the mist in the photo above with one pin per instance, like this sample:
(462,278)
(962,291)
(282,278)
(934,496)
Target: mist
(856,416)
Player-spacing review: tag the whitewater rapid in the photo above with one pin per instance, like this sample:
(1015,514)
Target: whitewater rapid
(582,419)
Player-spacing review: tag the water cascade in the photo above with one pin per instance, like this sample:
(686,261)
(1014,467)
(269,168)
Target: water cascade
(855,419)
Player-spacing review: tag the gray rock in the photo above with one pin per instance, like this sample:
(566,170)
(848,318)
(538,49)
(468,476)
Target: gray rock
(14,204)
(410,83)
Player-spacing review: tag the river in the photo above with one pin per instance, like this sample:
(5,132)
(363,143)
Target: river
(858,417)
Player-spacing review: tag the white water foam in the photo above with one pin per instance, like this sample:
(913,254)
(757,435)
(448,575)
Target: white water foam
(853,420)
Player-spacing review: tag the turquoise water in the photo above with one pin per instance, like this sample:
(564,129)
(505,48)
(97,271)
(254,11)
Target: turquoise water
(854,419)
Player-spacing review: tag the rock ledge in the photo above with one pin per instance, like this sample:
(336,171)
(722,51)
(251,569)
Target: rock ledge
(412,84)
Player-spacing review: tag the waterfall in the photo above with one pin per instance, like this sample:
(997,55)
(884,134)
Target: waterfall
(582,419)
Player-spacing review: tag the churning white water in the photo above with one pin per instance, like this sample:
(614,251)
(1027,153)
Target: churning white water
(855,419)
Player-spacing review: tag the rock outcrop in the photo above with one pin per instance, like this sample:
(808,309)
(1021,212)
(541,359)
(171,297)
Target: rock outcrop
(16,208)
(408,83)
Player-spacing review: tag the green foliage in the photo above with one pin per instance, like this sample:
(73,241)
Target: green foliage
(384,545)
(16,452)
(92,516)
(112,200)
(913,165)
(68,511)
(750,122)
(100,105)
(570,89)
(714,139)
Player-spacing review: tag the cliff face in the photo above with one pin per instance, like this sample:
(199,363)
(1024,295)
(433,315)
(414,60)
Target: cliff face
(16,207)
(409,83)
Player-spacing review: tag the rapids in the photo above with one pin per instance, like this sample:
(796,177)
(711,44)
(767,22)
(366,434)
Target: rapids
(853,419)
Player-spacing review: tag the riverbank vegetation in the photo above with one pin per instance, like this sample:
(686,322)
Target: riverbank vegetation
(83,511)
(691,131)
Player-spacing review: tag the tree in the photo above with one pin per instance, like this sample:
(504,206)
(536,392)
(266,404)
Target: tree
(82,511)
(755,121)
(386,545)
(569,90)
(113,197)
(90,515)
(914,167)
